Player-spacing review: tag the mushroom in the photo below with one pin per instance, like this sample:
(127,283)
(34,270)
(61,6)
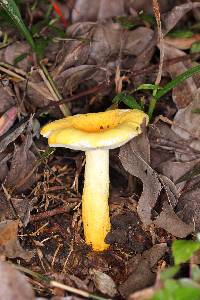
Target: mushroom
(95,133)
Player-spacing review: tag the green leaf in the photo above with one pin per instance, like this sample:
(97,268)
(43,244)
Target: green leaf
(181,34)
(40,46)
(127,99)
(173,290)
(20,58)
(195,47)
(12,10)
(169,273)
(148,86)
(147,18)
(125,22)
(183,250)
(196,111)
(180,78)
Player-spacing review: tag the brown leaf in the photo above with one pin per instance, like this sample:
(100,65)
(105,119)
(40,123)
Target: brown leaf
(13,284)
(182,43)
(4,157)
(6,98)
(187,123)
(85,10)
(143,275)
(13,134)
(170,19)
(167,145)
(175,169)
(107,40)
(9,244)
(22,164)
(15,50)
(188,208)
(103,283)
(169,221)
(7,120)
(182,94)
(145,294)
(109,9)
(134,157)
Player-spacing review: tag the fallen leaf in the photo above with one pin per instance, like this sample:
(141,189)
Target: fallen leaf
(13,134)
(7,120)
(183,93)
(103,283)
(145,294)
(187,123)
(22,164)
(169,145)
(188,208)
(85,10)
(109,9)
(175,170)
(88,10)
(15,50)
(4,158)
(170,221)
(13,284)
(6,98)
(170,19)
(134,157)
(143,275)
(9,244)
(102,42)
(182,43)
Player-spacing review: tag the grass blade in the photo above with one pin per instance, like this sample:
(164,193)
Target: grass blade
(169,86)
(12,10)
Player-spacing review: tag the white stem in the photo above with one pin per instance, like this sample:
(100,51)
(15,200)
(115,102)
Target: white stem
(95,209)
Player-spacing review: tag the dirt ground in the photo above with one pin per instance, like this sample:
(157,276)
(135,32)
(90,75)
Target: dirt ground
(96,55)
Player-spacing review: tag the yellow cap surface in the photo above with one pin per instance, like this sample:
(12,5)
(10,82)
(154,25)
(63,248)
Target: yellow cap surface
(106,130)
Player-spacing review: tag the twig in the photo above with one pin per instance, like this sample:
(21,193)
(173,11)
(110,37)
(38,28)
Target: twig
(53,212)
(54,283)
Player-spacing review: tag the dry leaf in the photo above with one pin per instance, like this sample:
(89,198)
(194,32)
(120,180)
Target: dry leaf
(7,120)
(103,283)
(175,170)
(145,294)
(22,164)
(14,50)
(170,221)
(4,157)
(134,157)
(8,138)
(9,244)
(187,123)
(105,42)
(182,94)
(13,284)
(143,275)
(170,19)
(134,160)
(6,98)
(188,208)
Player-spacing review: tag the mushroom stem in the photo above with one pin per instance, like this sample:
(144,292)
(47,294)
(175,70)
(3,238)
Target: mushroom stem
(95,209)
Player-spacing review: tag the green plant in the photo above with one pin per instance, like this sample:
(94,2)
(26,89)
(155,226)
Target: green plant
(157,91)
(13,12)
(181,288)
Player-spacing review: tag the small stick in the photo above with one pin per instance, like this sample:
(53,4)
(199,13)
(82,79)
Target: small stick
(53,212)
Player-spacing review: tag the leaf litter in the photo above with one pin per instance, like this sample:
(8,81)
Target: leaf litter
(40,212)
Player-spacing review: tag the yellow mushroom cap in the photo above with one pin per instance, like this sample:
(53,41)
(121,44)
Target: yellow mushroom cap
(103,130)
